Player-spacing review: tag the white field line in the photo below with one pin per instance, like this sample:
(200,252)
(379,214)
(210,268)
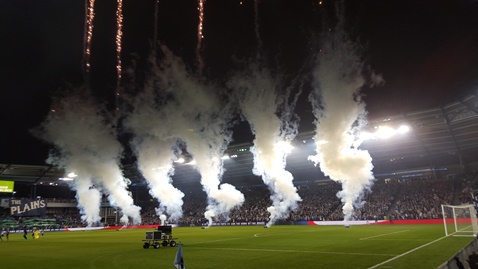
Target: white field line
(309,231)
(399,239)
(406,253)
(296,251)
(219,240)
(255,235)
(365,238)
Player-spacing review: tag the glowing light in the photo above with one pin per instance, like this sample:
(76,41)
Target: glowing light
(119,35)
(404,129)
(66,179)
(72,175)
(225,157)
(200,34)
(180,160)
(321,142)
(384,132)
(285,147)
(90,15)
(160,168)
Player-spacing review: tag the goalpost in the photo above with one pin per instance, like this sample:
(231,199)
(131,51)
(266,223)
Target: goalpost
(460,220)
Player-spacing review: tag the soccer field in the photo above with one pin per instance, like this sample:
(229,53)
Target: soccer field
(367,246)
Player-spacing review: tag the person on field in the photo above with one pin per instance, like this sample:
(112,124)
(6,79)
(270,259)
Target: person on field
(2,234)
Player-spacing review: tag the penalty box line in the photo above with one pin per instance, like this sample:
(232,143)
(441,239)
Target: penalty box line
(370,237)
(296,251)
(406,253)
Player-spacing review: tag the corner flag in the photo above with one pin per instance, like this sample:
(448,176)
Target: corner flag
(179,261)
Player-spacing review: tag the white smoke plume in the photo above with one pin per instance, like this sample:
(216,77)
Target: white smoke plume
(195,114)
(154,145)
(203,124)
(163,219)
(89,199)
(85,143)
(259,102)
(209,215)
(340,115)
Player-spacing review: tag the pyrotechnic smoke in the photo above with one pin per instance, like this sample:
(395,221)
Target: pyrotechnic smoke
(259,101)
(86,144)
(340,115)
(192,113)
(163,218)
(202,122)
(154,146)
(89,199)
(209,215)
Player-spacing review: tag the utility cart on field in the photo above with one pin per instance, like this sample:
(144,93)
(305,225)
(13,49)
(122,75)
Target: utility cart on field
(164,236)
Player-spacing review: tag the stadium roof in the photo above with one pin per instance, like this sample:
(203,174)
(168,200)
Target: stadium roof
(444,137)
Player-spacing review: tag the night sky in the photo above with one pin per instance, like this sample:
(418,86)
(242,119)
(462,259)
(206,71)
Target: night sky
(427,51)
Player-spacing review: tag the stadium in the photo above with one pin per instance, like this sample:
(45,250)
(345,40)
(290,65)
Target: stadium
(239,134)
(431,165)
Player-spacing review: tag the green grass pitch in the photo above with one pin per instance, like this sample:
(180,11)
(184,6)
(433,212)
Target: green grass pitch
(247,247)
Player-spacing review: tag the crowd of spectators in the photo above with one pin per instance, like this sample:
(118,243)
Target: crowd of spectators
(413,198)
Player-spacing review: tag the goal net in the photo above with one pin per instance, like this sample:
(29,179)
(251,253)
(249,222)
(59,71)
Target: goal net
(460,220)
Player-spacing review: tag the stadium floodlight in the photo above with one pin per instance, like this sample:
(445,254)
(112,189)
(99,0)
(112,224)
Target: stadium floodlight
(285,147)
(71,176)
(384,132)
(225,157)
(403,129)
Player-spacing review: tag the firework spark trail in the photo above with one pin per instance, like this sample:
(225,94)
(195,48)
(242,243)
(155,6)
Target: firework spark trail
(89,18)
(119,36)
(200,36)
(340,115)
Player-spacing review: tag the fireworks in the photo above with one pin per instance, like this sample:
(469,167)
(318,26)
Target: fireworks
(200,34)
(90,15)
(119,35)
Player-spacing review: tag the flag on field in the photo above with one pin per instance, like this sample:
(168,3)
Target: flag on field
(179,261)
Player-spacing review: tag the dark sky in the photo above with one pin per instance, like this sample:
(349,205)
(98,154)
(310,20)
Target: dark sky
(427,51)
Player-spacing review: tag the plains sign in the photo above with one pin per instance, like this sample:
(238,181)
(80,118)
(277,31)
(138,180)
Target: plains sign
(27,207)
